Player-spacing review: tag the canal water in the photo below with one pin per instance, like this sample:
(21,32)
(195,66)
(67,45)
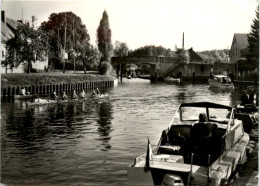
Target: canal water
(92,142)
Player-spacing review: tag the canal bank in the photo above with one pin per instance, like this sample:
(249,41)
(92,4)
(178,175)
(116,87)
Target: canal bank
(11,84)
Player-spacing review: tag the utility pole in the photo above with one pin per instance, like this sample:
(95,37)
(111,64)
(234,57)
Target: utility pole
(183,41)
(64,44)
(73,45)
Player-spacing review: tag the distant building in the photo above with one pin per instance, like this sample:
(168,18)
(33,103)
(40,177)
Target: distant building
(194,57)
(8,29)
(239,46)
(238,53)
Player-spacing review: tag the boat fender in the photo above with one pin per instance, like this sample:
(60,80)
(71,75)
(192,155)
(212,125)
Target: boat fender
(249,151)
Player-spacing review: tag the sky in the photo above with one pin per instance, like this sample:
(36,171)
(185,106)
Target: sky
(207,24)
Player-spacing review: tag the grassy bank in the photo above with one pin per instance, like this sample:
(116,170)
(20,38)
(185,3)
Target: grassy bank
(49,78)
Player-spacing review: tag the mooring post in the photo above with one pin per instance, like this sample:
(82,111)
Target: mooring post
(121,75)
(193,78)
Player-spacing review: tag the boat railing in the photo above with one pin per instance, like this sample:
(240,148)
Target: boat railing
(231,121)
(175,116)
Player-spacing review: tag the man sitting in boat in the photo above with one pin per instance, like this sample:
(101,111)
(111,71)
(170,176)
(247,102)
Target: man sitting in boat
(201,139)
(54,96)
(244,98)
(64,96)
(23,91)
(94,94)
(74,95)
(208,127)
(98,92)
(83,94)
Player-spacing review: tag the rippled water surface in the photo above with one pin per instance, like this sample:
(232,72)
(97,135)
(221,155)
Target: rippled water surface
(93,141)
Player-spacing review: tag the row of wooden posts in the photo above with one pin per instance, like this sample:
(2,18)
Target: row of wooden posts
(42,89)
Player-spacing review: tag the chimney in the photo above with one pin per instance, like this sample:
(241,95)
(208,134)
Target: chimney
(3,16)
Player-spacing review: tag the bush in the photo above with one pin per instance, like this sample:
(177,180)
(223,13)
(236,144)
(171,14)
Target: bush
(106,68)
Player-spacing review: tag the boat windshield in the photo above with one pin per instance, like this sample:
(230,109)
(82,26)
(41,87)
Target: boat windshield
(219,115)
(192,113)
(215,114)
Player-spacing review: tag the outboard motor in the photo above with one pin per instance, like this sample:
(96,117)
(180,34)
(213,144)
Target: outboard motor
(172,179)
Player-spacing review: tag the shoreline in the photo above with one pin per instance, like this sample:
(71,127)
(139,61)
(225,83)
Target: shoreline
(11,84)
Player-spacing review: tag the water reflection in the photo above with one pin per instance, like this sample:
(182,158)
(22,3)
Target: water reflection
(104,111)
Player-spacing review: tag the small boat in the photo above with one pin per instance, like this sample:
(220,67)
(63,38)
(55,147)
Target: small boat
(192,152)
(220,81)
(172,80)
(249,112)
(101,96)
(40,102)
(49,101)
(20,96)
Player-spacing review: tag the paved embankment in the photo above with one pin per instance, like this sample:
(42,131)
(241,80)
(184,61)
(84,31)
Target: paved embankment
(248,175)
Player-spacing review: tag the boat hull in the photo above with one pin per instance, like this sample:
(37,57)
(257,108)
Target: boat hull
(172,80)
(221,170)
(215,84)
(24,96)
(54,102)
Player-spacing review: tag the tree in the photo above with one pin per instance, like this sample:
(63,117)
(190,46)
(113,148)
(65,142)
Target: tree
(182,55)
(253,41)
(66,31)
(104,38)
(152,51)
(10,60)
(121,49)
(88,55)
(28,45)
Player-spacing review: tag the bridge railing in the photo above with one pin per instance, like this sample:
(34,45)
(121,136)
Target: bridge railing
(137,59)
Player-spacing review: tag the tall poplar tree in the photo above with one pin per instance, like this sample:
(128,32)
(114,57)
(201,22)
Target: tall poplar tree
(104,38)
(253,40)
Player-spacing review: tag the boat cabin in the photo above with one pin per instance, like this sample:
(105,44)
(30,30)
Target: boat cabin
(221,79)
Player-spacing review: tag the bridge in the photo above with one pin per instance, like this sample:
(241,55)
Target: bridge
(160,67)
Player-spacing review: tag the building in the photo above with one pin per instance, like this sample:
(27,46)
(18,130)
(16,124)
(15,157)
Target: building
(239,46)
(8,29)
(238,53)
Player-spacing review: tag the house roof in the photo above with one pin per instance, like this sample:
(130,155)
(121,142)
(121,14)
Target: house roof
(6,33)
(194,56)
(241,40)
(12,23)
(7,29)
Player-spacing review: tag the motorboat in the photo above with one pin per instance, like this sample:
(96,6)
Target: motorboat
(220,81)
(249,112)
(172,80)
(194,152)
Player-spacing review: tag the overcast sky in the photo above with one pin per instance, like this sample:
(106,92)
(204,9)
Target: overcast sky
(207,24)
